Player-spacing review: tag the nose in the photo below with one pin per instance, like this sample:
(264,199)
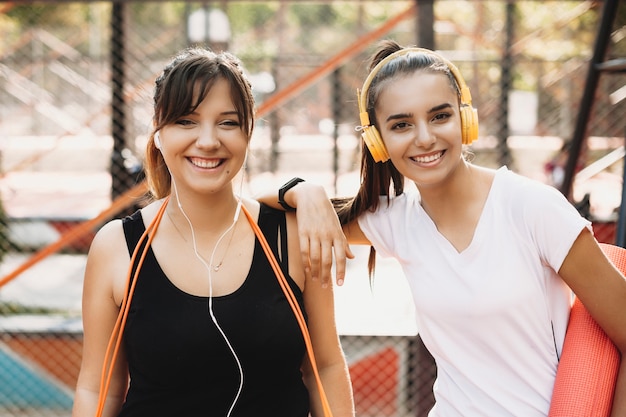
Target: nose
(423,136)
(208,139)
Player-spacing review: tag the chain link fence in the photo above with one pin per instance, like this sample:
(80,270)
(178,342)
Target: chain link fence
(75,108)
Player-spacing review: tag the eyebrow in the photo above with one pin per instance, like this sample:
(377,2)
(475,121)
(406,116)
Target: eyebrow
(224,113)
(440,107)
(432,110)
(230,113)
(398,116)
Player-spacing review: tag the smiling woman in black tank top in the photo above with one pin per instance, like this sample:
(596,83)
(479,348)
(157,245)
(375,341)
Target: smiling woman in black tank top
(209,330)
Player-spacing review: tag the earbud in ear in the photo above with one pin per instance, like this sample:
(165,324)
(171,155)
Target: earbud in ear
(157,140)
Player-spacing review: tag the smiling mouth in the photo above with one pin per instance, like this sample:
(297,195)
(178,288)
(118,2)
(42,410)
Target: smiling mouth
(428,158)
(205,163)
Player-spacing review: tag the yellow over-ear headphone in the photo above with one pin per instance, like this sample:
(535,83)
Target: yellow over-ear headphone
(369,133)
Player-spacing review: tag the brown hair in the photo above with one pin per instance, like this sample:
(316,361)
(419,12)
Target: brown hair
(383,179)
(179,90)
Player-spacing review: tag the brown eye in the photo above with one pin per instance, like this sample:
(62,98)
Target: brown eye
(442,116)
(400,125)
(231,123)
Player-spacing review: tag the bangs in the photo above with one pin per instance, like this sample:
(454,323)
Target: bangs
(185,85)
(186,90)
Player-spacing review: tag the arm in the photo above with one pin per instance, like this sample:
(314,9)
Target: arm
(331,363)
(602,289)
(321,234)
(108,258)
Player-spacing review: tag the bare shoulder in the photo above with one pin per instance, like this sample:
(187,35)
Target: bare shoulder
(108,246)
(110,239)
(107,236)
(107,262)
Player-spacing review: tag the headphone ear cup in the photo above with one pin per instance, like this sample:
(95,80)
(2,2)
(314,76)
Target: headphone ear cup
(469,124)
(375,144)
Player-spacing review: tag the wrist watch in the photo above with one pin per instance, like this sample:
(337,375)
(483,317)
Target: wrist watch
(286,187)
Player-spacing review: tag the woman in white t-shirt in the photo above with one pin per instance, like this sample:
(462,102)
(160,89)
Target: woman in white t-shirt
(491,257)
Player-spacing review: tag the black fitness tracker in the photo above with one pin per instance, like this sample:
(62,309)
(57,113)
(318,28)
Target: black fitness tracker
(282,190)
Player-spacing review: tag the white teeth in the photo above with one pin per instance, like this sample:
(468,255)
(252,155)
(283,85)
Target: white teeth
(205,163)
(426,159)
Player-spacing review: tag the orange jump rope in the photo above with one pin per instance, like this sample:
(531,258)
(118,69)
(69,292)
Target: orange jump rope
(118,330)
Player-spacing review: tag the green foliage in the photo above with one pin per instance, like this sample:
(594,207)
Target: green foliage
(32,15)
(9,33)
(161,14)
(313,15)
(244,17)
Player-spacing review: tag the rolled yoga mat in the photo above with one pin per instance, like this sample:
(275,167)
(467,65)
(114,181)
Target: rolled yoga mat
(587,372)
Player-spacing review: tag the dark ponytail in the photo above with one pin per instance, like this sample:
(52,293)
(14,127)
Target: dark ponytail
(376,178)
(383,179)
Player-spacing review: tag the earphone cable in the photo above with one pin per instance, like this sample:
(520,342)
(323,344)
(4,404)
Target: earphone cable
(210,302)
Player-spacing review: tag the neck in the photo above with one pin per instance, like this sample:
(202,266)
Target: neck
(453,192)
(210,215)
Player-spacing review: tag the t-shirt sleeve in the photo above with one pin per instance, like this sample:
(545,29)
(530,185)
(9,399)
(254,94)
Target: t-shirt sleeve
(552,221)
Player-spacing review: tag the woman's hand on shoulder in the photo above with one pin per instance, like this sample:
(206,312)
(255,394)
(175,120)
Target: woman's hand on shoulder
(322,240)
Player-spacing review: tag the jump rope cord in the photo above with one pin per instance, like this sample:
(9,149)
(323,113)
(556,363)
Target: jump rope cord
(116,335)
(118,329)
(294,306)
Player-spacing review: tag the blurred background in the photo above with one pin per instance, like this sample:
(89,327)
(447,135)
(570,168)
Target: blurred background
(76,77)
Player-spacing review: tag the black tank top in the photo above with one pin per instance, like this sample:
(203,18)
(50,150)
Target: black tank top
(180,365)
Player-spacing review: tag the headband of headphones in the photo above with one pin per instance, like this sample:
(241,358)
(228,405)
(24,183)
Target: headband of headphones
(469,118)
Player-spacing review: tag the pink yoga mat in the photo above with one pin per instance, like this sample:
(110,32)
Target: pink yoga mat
(585,379)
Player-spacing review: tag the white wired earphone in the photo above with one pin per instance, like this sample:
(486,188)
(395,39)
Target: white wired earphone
(159,146)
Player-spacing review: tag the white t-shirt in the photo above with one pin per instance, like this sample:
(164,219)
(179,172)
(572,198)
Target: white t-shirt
(493,316)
